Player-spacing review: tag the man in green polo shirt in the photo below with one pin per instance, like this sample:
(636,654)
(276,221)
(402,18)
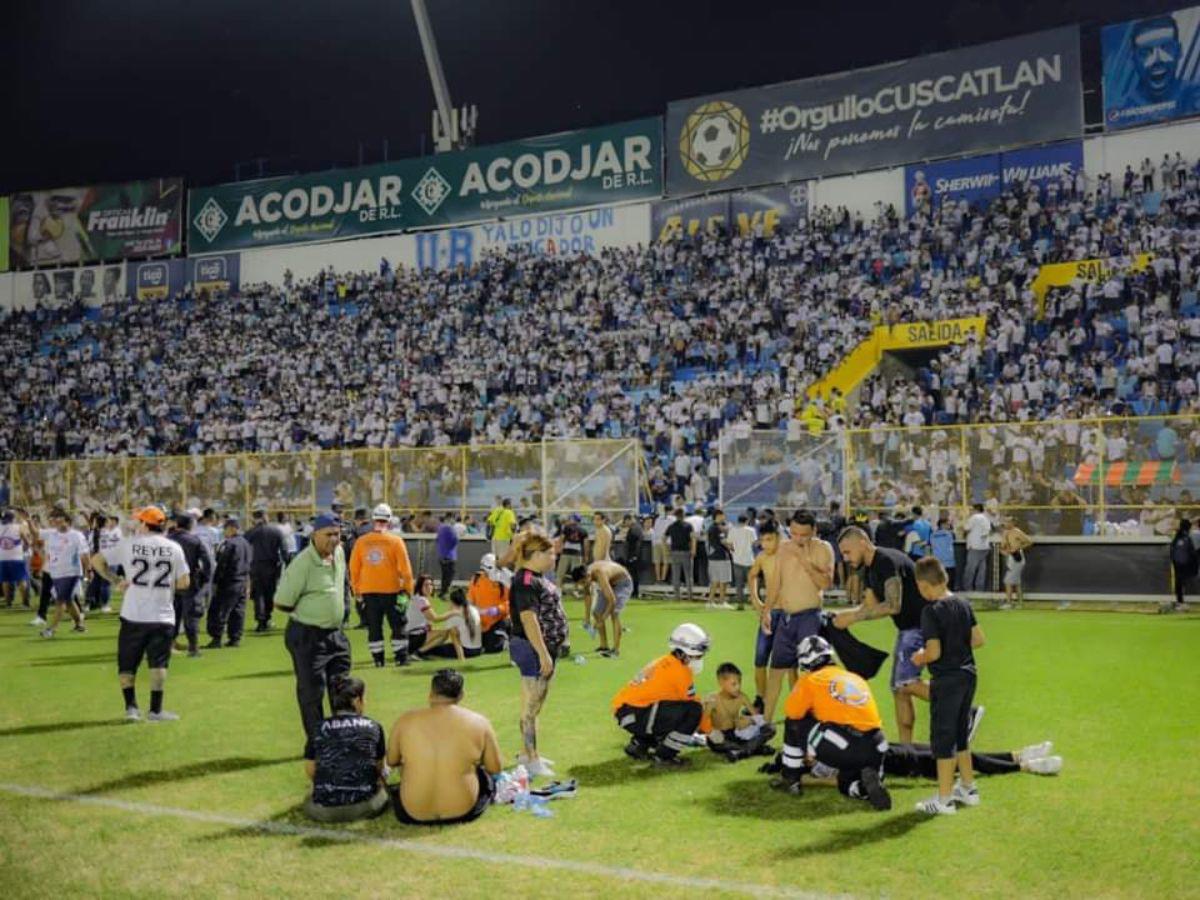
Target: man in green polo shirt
(504,522)
(312,593)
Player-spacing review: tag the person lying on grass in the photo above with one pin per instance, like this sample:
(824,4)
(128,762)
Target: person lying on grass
(344,760)
(447,757)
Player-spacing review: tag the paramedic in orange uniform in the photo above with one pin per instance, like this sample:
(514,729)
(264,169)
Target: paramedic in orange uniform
(381,576)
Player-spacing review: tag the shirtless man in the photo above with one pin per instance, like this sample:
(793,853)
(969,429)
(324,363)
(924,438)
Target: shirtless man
(447,757)
(601,546)
(608,586)
(768,615)
(803,570)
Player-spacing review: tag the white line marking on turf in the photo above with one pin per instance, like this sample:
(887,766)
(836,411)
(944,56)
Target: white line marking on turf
(410,846)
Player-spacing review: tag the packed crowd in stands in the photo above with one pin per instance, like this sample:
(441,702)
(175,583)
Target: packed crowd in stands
(672,343)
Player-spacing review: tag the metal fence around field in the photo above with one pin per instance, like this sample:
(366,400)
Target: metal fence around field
(1070,477)
(542,480)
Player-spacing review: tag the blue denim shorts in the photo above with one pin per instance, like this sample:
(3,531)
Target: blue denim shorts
(904,671)
(522,653)
(792,629)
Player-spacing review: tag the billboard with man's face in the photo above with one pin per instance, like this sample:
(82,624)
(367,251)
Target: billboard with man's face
(1151,69)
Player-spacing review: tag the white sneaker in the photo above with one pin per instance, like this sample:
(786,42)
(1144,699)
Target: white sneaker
(163,716)
(106,609)
(539,768)
(48,633)
(37,622)
(935,807)
(964,797)
(1045,765)
(1037,751)
(132,714)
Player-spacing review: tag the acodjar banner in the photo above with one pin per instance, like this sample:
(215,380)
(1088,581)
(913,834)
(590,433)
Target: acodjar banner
(560,171)
(1025,90)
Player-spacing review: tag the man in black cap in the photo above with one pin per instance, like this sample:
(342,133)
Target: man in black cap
(231,588)
(189,602)
(269,556)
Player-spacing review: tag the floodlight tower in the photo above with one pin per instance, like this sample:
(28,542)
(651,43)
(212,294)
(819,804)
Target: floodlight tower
(453,129)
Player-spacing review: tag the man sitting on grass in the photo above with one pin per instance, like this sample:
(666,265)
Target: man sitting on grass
(344,760)
(447,757)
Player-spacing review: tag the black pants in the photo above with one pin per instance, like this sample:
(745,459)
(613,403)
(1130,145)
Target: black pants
(228,609)
(263,581)
(99,591)
(734,747)
(843,748)
(496,640)
(319,655)
(632,566)
(666,726)
(448,566)
(189,610)
(950,698)
(376,608)
(1183,575)
(918,761)
(47,591)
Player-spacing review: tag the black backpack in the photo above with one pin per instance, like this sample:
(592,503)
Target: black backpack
(1183,553)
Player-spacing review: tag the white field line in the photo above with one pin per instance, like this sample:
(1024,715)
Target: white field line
(618,873)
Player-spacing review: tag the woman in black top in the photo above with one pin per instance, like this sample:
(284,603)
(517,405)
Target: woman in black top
(539,631)
(344,759)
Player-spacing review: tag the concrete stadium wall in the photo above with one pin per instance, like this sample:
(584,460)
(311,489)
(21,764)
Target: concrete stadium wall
(1112,152)
(860,193)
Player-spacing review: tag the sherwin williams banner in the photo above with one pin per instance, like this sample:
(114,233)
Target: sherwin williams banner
(980,179)
(100,222)
(1151,69)
(560,171)
(1024,90)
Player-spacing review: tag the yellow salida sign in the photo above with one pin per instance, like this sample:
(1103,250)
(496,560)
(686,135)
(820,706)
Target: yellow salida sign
(1091,271)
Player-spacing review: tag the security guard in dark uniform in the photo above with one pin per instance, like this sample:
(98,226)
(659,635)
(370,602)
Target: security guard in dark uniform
(189,603)
(269,557)
(231,588)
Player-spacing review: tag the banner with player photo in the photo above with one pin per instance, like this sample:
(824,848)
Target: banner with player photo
(1023,90)
(71,225)
(1151,69)
(56,288)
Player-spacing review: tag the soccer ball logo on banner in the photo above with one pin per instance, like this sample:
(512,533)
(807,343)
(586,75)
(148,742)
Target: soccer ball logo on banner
(714,141)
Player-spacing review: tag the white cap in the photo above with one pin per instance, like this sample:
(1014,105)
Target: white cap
(195,512)
(382,513)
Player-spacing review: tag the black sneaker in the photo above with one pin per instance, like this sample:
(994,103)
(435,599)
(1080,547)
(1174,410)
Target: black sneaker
(401,661)
(232,645)
(670,762)
(637,750)
(774,767)
(877,794)
(214,644)
(193,653)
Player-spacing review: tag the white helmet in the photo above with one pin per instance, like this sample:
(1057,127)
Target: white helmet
(487,562)
(690,639)
(382,513)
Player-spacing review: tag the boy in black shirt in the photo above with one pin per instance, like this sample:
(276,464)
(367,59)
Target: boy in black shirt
(951,634)
(345,759)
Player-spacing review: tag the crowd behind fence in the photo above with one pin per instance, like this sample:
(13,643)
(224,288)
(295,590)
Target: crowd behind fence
(542,479)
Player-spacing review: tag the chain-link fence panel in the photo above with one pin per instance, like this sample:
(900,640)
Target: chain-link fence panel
(38,486)
(426,479)
(281,482)
(353,478)
(766,469)
(220,482)
(98,485)
(584,476)
(498,471)
(156,479)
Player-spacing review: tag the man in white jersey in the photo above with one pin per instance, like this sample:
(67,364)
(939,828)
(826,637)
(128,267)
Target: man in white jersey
(110,540)
(155,568)
(15,538)
(67,561)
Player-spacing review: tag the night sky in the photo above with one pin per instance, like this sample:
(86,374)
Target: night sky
(110,90)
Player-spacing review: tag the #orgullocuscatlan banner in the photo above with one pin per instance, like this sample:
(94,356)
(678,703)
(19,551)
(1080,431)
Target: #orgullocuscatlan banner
(1023,90)
(560,171)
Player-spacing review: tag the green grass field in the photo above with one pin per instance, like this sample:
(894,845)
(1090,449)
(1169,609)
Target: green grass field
(1118,693)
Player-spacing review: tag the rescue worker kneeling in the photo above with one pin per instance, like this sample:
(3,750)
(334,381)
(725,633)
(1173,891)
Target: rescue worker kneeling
(832,718)
(659,707)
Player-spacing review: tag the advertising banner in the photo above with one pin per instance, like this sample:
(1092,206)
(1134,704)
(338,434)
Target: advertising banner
(1151,68)
(91,224)
(1018,91)
(559,171)
(157,280)
(556,234)
(215,273)
(768,209)
(670,218)
(53,288)
(3,234)
(980,179)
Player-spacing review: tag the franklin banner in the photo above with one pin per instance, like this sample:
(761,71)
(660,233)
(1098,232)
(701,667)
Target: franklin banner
(559,171)
(1023,90)
(72,225)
